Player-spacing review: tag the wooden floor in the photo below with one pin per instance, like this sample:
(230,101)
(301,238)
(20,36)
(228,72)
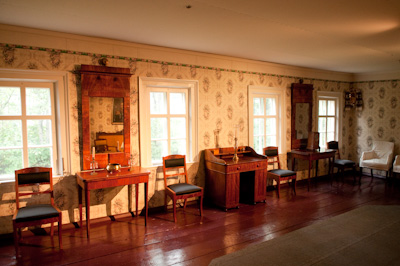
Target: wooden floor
(194,240)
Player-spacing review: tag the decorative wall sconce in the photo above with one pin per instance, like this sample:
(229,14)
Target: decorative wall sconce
(353,98)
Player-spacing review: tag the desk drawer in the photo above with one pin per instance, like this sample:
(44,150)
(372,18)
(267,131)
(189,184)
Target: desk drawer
(245,167)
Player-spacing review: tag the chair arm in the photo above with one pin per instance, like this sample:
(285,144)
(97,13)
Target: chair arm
(367,155)
(397,160)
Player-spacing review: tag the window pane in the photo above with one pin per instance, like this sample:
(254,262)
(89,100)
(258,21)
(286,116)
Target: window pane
(159,128)
(10,133)
(331,124)
(158,150)
(258,106)
(178,128)
(331,107)
(322,124)
(38,101)
(259,144)
(177,103)
(330,136)
(39,157)
(10,160)
(270,141)
(270,127)
(10,101)
(322,140)
(178,146)
(258,127)
(270,104)
(39,132)
(158,103)
(322,107)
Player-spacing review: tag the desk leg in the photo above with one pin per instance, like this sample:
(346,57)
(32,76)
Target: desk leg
(87,198)
(80,205)
(145,202)
(137,199)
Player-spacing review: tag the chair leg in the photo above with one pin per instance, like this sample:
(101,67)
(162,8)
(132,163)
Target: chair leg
(294,186)
(174,202)
(201,206)
(52,229)
(16,239)
(372,176)
(184,205)
(60,231)
(165,202)
(278,185)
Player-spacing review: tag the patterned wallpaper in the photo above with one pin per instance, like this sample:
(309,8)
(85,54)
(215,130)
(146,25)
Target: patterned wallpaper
(222,104)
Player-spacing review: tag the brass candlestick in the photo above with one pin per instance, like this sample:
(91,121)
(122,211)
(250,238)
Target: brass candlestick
(235,156)
(93,166)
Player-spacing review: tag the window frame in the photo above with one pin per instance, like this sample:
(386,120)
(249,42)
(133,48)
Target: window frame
(279,94)
(61,142)
(147,85)
(338,97)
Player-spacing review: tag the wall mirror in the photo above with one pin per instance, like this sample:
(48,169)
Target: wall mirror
(105,115)
(302,97)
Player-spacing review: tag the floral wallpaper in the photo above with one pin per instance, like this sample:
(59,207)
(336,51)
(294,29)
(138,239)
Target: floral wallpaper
(222,105)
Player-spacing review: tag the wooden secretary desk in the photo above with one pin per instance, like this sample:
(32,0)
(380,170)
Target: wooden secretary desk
(228,182)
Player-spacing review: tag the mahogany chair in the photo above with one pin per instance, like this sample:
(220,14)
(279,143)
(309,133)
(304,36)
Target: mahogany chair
(278,174)
(341,164)
(32,215)
(184,190)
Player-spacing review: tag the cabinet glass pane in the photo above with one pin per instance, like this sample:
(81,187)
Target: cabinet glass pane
(38,101)
(10,133)
(10,101)
(258,106)
(178,127)
(158,103)
(159,128)
(39,132)
(177,103)
(270,104)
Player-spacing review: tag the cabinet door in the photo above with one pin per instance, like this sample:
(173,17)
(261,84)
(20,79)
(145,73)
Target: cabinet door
(232,190)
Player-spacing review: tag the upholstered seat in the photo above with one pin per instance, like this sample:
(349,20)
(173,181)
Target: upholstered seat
(396,165)
(341,164)
(379,158)
(36,212)
(175,166)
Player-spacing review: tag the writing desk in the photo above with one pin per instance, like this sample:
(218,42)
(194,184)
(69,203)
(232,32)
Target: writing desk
(229,182)
(310,156)
(103,179)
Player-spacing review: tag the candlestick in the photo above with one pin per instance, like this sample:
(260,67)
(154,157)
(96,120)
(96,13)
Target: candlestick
(93,152)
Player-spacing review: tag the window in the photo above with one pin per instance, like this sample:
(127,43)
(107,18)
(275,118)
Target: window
(30,123)
(168,119)
(265,117)
(328,117)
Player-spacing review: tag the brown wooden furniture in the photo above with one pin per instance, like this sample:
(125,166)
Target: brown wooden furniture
(177,164)
(102,81)
(341,164)
(128,176)
(38,214)
(302,104)
(310,156)
(228,183)
(278,174)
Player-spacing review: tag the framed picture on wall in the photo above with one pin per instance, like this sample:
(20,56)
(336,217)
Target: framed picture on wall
(118,111)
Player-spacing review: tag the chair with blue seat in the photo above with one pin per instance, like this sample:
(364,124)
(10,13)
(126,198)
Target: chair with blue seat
(278,174)
(35,214)
(175,166)
(341,164)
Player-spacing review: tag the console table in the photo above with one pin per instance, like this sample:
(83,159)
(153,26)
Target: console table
(310,156)
(102,179)
(229,182)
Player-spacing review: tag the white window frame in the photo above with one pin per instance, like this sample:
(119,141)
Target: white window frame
(338,97)
(58,81)
(147,85)
(279,94)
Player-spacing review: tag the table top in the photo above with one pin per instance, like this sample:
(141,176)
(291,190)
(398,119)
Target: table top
(86,176)
(309,152)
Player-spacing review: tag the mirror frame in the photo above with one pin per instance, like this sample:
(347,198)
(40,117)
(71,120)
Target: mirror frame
(301,93)
(102,81)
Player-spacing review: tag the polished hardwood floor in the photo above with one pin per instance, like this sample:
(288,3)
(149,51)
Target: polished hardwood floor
(194,240)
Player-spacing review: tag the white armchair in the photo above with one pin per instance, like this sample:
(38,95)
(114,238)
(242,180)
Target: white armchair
(396,165)
(379,158)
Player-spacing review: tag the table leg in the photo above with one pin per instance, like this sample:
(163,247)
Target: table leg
(316,168)
(137,199)
(80,205)
(87,198)
(145,203)
(309,173)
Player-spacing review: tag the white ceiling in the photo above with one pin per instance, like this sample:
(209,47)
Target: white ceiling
(355,36)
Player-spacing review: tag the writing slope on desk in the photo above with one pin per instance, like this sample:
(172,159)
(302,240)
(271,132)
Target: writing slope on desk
(228,182)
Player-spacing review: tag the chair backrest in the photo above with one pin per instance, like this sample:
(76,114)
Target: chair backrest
(33,176)
(333,145)
(272,155)
(383,149)
(177,163)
